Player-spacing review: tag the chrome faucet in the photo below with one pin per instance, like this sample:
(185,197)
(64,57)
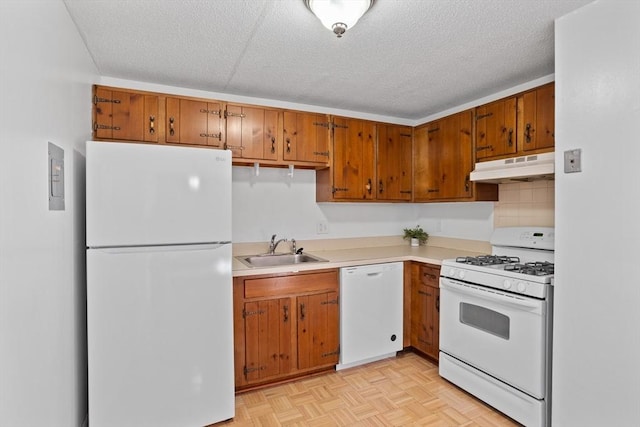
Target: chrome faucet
(273,244)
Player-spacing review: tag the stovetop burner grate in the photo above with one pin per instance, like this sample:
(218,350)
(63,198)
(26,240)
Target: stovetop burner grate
(487,260)
(532,268)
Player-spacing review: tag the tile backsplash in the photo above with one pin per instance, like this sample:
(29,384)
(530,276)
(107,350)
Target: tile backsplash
(525,203)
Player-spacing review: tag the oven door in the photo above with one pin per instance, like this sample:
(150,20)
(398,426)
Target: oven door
(499,333)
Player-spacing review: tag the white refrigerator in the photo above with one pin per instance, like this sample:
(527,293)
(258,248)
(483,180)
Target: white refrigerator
(159,285)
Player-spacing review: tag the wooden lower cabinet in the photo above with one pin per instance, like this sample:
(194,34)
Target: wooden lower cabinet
(285,325)
(425,309)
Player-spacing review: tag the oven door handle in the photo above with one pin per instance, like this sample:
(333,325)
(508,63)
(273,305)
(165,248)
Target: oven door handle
(499,297)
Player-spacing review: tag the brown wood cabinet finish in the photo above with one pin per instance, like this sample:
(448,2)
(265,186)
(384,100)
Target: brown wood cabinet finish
(123,115)
(443,161)
(394,162)
(306,137)
(425,309)
(251,133)
(194,122)
(285,325)
(516,126)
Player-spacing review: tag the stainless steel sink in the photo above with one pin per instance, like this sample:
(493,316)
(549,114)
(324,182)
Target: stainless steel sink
(275,260)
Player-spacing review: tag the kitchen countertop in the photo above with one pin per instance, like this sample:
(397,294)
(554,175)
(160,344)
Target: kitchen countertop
(360,256)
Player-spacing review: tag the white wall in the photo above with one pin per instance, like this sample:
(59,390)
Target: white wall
(596,368)
(45,92)
(273,202)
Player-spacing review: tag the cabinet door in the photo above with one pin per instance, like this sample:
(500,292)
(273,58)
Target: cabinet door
(125,115)
(496,129)
(425,308)
(267,338)
(455,156)
(428,162)
(353,159)
(536,120)
(318,329)
(251,132)
(394,162)
(194,122)
(306,137)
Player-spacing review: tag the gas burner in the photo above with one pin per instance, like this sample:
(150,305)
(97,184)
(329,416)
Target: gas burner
(532,268)
(488,260)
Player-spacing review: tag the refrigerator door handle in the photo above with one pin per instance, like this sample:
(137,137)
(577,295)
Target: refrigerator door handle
(160,248)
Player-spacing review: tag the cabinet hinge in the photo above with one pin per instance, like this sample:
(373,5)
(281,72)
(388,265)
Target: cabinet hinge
(483,116)
(96,99)
(214,112)
(227,114)
(323,124)
(336,126)
(96,126)
(249,370)
(333,301)
(408,135)
(334,190)
(433,130)
(405,191)
(321,153)
(336,352)
(246,313)
(485,147)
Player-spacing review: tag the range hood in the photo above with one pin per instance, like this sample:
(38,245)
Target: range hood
(515,169)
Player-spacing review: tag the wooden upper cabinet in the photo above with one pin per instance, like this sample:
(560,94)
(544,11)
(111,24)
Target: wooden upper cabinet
(123,115)
(496,129)
(517,126)
(536,118)
(306,137)
(194,122)
(443,161)
(394,162)
(354,145)
(427,162)
(251,132)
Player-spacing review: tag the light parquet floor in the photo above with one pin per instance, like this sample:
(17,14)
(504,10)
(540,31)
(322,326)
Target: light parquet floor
(401,391)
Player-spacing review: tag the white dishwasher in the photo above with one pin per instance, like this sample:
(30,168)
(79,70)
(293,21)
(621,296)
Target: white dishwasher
(371,299)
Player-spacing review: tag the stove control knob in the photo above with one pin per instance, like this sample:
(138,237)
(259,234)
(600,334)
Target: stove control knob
(506,284)
(461,274)
(522,286)
(452,272)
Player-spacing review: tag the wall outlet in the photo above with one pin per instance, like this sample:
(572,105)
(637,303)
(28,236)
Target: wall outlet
(322,228)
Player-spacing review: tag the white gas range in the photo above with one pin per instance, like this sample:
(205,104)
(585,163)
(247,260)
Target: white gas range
(496,323)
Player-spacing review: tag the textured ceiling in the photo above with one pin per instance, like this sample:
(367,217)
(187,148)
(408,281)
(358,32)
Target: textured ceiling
(405,58)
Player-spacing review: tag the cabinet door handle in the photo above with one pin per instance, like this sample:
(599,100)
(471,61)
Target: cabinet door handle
(273,145)
(285,309)
(303,312)
(431,276)
(288,145)
(152,123)
(510,138)
(171,122)
(381,186)
(467,183)
(438,303)
(527,133)
(369,186)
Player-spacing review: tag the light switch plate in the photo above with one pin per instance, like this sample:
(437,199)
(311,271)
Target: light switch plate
(573,161)
(56,177)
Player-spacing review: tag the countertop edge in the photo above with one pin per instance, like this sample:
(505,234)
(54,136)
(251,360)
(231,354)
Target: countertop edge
(357,257)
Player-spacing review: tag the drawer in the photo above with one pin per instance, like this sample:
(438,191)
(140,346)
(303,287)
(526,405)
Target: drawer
(430,275)
(288,285)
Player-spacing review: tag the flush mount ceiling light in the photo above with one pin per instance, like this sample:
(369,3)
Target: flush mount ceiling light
(338,15)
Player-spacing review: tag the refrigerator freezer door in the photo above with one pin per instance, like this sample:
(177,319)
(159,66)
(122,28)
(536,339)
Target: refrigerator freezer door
(151,195)
(160,336)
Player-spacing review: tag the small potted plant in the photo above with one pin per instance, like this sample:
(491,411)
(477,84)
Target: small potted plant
(417,236)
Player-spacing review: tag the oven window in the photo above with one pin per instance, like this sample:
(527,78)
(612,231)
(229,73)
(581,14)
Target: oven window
(484,319)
